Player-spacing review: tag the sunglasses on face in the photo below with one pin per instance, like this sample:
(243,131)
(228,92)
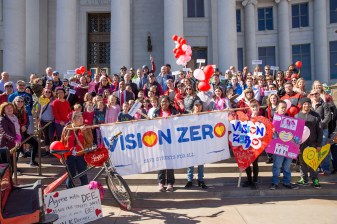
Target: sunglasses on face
(314,94)
(188,89)
(9,86)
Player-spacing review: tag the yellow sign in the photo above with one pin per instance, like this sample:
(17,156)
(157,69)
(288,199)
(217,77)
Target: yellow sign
(43,101)
(313,158)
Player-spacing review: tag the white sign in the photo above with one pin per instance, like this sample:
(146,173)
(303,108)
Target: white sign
(187,69)
(274,68)
(135,108)
(69,74)
(72,91)
(74,84)
(257,62)
(258,73)
(201,60)
(268,92)
(222,78)
(76,205)
(214,66)
(169,143)
(175,73)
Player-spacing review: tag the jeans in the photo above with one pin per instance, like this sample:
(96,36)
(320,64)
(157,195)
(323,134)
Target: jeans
(325,165)
(281,162)
(190,171)
(304,168)
(166,175)
(59,129)
(76,163)
(48,132)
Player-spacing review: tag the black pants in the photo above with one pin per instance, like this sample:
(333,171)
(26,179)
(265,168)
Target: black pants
(48,132)
(166,176)
(32,141)
(76,164)
(5,157)
(255,171)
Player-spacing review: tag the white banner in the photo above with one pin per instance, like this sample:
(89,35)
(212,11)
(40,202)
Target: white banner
(169,143)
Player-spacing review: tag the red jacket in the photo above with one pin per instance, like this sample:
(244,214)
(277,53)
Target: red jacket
(61,110)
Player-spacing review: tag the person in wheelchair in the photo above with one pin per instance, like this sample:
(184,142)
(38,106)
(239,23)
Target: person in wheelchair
(76,140)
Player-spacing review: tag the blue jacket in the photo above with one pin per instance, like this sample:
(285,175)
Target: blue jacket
(28,100)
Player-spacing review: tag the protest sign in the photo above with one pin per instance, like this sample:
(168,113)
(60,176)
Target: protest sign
(187,69)
(274,68)
(289,131)
(313,158)
(76,205)
(269,92)
(249,137)
(135,108)
(257,62)
(170,143)
(201,61)
(69,74)
(74,84)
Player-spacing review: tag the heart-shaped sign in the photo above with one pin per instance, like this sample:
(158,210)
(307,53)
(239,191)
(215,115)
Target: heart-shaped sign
(286,136)
(56,195)
(249,137)
(219,130)
(97,157)
(48,210)
(98,211)
(313,158)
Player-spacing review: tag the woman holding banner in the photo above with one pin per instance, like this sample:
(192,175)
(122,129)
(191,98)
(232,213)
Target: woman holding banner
(165,110)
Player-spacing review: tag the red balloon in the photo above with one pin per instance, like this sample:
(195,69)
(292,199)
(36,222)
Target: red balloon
(57,145)
(82,69)
(179,39)
(204,86)
(77,71)
(298,64)
(182,41)
(89,72)
(179,46)
(174,37)
(208,70)
(175,50)
(180,52)
(292,111)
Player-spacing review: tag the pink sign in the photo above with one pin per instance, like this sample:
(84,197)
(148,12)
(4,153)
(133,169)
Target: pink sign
(287,136)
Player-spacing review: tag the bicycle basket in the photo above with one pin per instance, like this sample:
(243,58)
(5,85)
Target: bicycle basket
(97,157)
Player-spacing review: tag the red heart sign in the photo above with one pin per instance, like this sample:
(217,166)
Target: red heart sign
(49,210)
(98,211)
(97,157)
(56,195)
(249,137)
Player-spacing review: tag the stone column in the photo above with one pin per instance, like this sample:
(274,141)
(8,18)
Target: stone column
(283,34)
(14,30)
(66,30)
(36,36)
(227,35)
(250,32)
(120,37)
(173,24)
(321,59)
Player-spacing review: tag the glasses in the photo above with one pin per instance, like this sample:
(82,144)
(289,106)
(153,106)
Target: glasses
(278,80)
(314,94)
(104,80)
(179,87)
(49,83)
(188,88)
(267,69)
(9,86)
(47,92)
(22,85)
(294,80)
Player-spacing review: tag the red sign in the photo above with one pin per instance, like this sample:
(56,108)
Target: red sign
(97,157)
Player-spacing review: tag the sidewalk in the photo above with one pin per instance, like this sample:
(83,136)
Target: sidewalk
(226,210)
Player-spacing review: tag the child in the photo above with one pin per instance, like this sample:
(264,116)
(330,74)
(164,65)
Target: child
(88,114)
(138,115)
(77,108)
(155,105)
(112,110)
(281,162)
(99,118)
(123,115)
(253,111)
(197,108)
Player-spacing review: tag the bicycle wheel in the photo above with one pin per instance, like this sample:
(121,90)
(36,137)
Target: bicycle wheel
(119,190)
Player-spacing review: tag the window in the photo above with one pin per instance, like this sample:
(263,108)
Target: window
(267,55)
(300,15)
(238,20)
(198,53)
(301,53)
(333,11)
(240,59)
(265,18)
(333,60)
(195,8)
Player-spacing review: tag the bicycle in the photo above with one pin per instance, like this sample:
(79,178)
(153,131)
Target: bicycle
(116,184)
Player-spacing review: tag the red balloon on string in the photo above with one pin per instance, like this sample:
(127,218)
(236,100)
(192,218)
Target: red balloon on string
(204,86)
(182,41)
(77,71)
(209,71)
(55,146)
(174,37)
(298,64)
(82,69)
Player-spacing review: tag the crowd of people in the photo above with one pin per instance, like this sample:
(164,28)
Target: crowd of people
(103,98)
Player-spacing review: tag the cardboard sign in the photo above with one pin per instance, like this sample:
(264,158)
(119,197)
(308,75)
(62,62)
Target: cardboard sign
(74,84)
(257,62)
(289,132)
(76,205)
(249,137)
(313,158)
(274,68)
(135,108)
(201,61)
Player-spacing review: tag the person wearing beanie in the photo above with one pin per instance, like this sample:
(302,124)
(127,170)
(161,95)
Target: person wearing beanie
(313,122)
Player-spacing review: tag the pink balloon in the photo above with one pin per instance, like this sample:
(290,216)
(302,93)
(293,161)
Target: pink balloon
(199,74)
(288,103)
(184,47)
(306,134)
(187,58)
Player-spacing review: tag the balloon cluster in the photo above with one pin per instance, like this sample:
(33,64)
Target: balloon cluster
(204,76)
(182,51)
(81,70)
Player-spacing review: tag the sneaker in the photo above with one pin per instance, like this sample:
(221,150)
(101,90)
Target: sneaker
(291,186)
(189,184)
(169,188)
(19,172)
(161,188)
(273,187)
(303,182)
(202,184)
(316,184)
(33,164)
(269,160)
(247,184)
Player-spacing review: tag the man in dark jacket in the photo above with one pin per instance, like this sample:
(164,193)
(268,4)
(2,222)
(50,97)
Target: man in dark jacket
(313,122)
(323,109)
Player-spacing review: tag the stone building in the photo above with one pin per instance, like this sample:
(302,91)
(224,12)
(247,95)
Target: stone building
(65,34)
